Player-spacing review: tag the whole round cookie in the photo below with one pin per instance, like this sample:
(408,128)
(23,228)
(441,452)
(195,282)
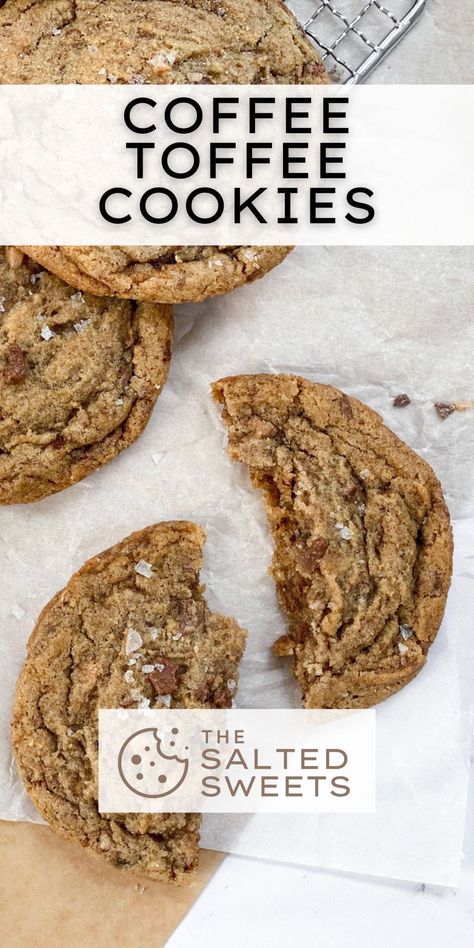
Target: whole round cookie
(130,630)
(79,376)
(156,41)
(363,544)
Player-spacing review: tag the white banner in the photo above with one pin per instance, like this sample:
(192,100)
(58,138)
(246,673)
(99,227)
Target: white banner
(236,761)
(236,165)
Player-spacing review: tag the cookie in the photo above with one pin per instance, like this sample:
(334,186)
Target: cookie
(165,274)
(79,377)
(156,41)
(363,544)
(131,629)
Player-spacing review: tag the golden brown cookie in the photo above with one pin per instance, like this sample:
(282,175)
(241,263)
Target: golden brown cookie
(165,274)
(363,544)
(137,605)
(156,41)
(79,377)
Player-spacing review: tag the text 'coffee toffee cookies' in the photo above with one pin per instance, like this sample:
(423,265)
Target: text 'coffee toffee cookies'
(139,604)
(79,376)
(156,41)
(363,544)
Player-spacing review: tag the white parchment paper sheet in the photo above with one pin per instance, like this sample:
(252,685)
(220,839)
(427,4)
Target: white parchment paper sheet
(376,322)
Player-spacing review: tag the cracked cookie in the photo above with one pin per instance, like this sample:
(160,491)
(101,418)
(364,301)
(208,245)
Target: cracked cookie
(363,546)
(134,607)
(165,274)
(79,376)
(156,41)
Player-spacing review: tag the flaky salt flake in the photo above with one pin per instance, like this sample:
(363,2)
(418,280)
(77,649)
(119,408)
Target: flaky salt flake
(92,49)
(177,636)
(132,661)
(81,325)
(144,569)
(128,676)
(69,732)
(136,80)
(344,531)
(165,699)
(35,277)
(134,640)
(102,71)
(119,401)
(57,31)
(17,611)
(159,667)
(144,703)
(46,333)
(171,56)
(146,669)
(2,300)
(231,684)
(403,649)
(364,474)
(159,61)
(153,633)
(112,79)
(405,631)
(77,297)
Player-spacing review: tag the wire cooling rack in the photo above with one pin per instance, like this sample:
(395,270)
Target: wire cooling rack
(353,39)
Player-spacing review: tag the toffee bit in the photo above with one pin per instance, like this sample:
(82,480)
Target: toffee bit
(191,616)
(400,401)
(15,365)
(163,678)
(346,406)
(444,410)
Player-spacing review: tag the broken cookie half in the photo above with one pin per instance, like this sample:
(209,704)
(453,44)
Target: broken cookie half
(130,630)
(363,545)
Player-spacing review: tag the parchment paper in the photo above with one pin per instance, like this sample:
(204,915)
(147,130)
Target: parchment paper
(377,323)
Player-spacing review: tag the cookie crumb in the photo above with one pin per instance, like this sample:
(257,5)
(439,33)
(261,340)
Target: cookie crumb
(462,406)
(400,401)
(444,410)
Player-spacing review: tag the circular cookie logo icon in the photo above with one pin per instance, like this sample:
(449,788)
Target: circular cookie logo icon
(146,769)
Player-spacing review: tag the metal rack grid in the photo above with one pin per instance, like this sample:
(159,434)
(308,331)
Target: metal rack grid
(352,40)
